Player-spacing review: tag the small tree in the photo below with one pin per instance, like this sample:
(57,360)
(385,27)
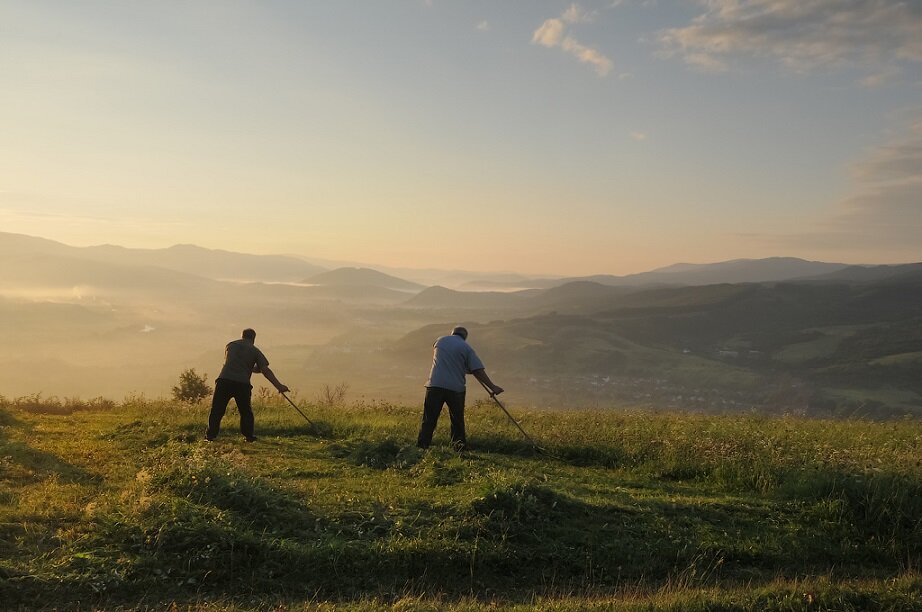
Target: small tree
(332,396)
(192,387)
(265,396)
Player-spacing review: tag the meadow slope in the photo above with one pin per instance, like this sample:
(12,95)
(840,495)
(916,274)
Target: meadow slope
(122,505)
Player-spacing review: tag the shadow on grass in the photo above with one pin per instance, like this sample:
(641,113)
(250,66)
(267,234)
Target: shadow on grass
(24,464)
(216,527)
(314,429)
(192,432)
(8,420)
(378,454)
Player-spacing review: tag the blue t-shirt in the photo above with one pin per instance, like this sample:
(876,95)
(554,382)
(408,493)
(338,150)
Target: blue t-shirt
(452,359)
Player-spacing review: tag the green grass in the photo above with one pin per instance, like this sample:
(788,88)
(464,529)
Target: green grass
(123,506)
(885,395)
(900,359)
(828,342)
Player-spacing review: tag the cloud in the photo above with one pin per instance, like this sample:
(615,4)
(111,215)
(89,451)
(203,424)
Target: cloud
(639,136)
(549,34)
(885,211)
(587,55)
(643,3)
(552,34)
(577,14)
(897,162)
(802,35)
(889,198)
(483,26)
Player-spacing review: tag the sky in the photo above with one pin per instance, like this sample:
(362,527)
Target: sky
(539,137)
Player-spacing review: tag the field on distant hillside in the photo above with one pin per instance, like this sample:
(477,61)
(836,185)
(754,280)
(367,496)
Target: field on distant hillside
(123,505)
(717,338)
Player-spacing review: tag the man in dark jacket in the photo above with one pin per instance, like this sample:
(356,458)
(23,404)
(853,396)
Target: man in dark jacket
(241,359)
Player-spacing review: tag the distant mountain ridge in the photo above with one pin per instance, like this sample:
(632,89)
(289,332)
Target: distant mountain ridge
(770,269)
(849,346)
(212,263)
(438,297)
(185,258)
(868,274)
(76,316)
(220,264)
(368,277)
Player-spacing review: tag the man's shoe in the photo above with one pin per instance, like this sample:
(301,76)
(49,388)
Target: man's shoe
(250,438)
(207,437)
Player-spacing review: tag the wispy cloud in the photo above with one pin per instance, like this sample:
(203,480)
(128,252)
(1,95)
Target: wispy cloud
(483,26)
(68,218)
(639,136)
(553,34)
(643,3)
(587,55)
(577,14)
(875,35)
(885,210)
(549,34)
(889,193)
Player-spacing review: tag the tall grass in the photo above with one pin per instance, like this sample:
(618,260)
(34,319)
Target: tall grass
(123,504)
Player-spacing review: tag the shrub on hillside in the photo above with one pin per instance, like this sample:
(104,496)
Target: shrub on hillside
(192,387)
(332,396)
(37,404)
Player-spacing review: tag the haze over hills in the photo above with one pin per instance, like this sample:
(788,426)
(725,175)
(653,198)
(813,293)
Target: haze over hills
(185,258)
(779,345)
(227,265)
(439,297)
(113,320)
(572,296)
(363,277)
(864,274)
(771,269)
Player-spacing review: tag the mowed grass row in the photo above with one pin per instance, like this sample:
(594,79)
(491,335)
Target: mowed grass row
(112,504)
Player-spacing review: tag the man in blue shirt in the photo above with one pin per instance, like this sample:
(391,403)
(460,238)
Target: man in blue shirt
(452,359)
(241,359)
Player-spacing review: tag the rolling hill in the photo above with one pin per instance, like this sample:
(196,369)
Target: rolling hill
(187,259)
(575,296)
(362,277)
(770,269)
(839,340)
(441,298)
(798,345)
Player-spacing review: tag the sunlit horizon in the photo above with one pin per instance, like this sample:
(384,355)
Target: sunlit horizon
(562,138)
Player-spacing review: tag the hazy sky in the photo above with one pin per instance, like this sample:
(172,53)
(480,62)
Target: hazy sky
(535,136)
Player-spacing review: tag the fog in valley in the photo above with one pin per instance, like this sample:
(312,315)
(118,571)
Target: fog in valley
(772,335)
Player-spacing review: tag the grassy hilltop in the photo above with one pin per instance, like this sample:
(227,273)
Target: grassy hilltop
(124,506)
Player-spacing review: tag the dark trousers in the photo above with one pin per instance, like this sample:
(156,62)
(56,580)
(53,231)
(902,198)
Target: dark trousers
(224,390)
(432,408)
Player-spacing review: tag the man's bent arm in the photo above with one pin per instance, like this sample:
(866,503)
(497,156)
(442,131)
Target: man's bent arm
(481,375)
(270,376)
